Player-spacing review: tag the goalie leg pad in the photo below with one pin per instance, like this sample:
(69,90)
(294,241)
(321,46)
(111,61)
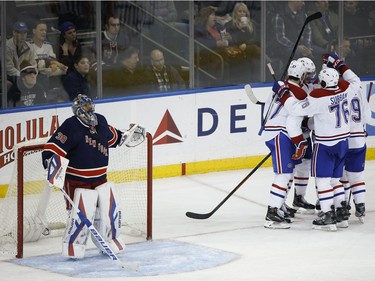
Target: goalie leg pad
(108,217)
(76,232)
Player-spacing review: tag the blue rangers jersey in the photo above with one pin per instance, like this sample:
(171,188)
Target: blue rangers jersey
(86,148)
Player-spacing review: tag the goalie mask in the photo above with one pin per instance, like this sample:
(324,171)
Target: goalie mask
(329,78)
(84,108)
(296,70)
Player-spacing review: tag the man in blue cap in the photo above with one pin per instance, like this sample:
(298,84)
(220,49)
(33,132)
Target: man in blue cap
(18,50)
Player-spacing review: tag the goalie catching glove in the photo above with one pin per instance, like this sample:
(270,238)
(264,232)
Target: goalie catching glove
(134,136)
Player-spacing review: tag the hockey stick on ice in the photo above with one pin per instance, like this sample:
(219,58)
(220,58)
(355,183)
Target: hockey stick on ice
(207,215)
(55,177)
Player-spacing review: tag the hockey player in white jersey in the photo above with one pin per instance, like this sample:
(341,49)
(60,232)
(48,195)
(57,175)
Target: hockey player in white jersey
(330,107)
(283,150)
(356,156)
(302,170)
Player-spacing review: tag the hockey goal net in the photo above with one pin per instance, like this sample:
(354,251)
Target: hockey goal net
(29,204)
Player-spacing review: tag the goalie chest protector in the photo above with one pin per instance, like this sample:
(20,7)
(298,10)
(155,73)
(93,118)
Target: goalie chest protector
(86,148)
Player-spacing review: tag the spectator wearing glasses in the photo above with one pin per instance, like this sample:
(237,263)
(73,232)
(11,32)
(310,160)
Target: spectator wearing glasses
(26,91)
(115,39)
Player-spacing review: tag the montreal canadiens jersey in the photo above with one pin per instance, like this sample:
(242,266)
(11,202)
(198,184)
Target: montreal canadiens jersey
(277,120)
(330,108)
(86,149)
(360,113)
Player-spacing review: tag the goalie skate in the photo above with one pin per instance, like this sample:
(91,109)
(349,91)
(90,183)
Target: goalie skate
(302,206)
(275,219)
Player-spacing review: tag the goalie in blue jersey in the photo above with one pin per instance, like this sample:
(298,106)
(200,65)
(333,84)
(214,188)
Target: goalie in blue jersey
(84,139)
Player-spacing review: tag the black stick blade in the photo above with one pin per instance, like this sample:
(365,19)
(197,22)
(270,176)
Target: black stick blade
(198,216)
(315,16)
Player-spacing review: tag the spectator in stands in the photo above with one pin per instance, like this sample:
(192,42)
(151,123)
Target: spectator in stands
(70,48)
(26,91)
(75,82)
(356,20)
(214,38)
(82,13)
(343,50)
(244,36)
(164,12)
(114,39)
(357,24)
(127,78)
(45,56)
(287,25)
(346,53)
(324,30)
(18,50)
(163,77)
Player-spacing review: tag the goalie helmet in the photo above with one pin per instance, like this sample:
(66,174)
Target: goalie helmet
(329,78)
(296,70)
(309,65)
(84,108)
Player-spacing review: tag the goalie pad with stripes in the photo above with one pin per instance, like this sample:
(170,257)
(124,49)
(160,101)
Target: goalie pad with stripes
(77,232)
(108,217)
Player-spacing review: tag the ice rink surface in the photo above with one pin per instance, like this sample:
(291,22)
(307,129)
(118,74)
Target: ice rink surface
(232,245)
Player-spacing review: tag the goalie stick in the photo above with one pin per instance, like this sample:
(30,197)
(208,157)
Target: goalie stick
(55,176)
(207,215)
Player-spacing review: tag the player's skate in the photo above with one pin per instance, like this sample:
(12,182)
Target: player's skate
(342,215)
(302,206)
(360,212)
(288,213)
(325,221)
(275,219)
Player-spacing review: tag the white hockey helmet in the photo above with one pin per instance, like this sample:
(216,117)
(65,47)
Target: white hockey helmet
(296,70)
(329,78)
(309,66)
(84,108)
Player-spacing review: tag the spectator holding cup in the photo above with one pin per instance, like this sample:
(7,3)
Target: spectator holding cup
(244,36)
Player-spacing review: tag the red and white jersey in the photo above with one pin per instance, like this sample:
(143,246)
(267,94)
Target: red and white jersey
(309,87)
(360,112)
(277,120)
(330,108)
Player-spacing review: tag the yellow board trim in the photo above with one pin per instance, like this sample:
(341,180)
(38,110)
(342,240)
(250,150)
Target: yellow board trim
(208,166)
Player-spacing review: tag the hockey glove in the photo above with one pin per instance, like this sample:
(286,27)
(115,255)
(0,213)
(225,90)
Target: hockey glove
(332,61)
(281,89)
(134,136)
(301,148)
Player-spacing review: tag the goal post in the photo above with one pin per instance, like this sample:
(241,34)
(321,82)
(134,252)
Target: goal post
(31,210)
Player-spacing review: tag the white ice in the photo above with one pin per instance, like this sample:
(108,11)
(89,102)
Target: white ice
(298,253)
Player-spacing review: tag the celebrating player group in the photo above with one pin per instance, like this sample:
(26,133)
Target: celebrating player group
(318,129)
